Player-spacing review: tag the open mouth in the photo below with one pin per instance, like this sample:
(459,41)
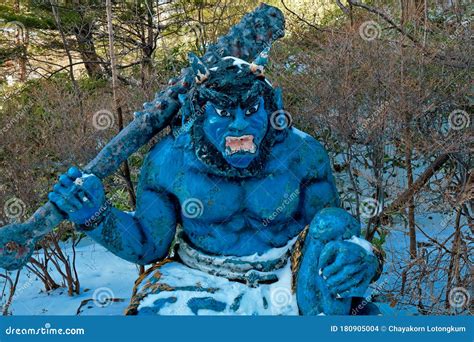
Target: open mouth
(244,143)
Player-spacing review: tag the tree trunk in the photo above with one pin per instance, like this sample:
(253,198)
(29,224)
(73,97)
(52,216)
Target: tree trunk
(148,42)
(75,85)
(86,47)
(453,270)
(118,108)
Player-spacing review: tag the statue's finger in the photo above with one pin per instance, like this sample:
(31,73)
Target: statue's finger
(341,260)
(61,203)
(333,268)
(346,272)
(328,255)
(352,288)
(68,194)
(64,180)
(74,173)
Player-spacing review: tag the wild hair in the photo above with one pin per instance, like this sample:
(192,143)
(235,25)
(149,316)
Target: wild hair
(232,82)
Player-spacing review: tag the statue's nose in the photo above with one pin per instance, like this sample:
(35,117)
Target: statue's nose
(239,123)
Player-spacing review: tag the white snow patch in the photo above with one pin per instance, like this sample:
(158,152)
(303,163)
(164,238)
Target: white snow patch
(361,242)
(237,61)
(97,268)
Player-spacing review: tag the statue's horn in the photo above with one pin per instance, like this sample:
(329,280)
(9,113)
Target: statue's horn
(258,65)
(201,72)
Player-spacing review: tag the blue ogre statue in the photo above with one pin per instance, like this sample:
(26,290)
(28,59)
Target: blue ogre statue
(241,185)
(237,211)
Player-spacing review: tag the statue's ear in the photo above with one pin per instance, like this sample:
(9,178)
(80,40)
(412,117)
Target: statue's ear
(278,97)
(201,72)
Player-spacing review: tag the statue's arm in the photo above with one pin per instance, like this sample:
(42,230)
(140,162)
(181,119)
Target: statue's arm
(143,236)
(320,193)
(318,186)
(337,265)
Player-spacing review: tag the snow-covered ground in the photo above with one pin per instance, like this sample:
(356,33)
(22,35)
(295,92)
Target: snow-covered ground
(102,276)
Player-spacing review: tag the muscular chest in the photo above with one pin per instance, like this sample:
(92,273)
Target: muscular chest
(218,200)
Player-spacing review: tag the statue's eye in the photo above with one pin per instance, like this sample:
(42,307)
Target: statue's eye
(222,112)
(252,109)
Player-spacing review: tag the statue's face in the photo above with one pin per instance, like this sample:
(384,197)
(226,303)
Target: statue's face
(237,132)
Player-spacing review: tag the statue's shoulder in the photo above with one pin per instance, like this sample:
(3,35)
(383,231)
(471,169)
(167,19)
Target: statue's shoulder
(163,151)
(311,158)
(164,158)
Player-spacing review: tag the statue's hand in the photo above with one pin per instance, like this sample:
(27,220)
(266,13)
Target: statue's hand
(79,196)
(347,268)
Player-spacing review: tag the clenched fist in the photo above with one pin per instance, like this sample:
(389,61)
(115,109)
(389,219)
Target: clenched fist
(79,196)
(347,268)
